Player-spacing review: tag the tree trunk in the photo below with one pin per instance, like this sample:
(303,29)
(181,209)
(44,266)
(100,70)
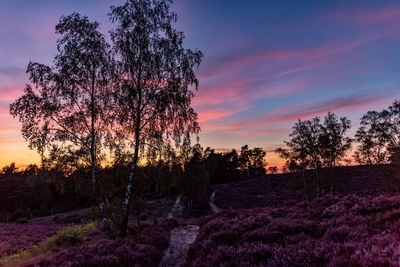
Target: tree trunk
(332,174)
(104,220)
(107,227)
(128,194)
(304,183)
(317,177)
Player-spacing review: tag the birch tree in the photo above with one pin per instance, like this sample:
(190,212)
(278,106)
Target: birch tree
(334,144)
(64,107)
(303,149)
(155,77)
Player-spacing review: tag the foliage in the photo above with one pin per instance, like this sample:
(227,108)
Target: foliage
(195,178)
(379,136)
(316,145)
(21,220)
(9,169)
(334,143)
(252,161)
(273,169)
(64,114)
(154,73)
(57,112)
(71,235)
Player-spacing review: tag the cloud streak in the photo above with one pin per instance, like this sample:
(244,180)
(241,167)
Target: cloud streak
(292,113)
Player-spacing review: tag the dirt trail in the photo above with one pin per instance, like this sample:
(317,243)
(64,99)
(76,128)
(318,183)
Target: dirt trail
(180,240)
(179,244)
(214,207)
(182,237)
(176,209)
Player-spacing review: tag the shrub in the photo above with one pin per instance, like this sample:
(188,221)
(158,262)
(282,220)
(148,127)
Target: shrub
(18,213)
(21,220)
(71,235)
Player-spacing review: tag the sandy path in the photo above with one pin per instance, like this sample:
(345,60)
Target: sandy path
(180,241)
(214,207)
(176,210)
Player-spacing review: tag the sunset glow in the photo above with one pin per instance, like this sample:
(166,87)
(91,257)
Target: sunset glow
(266,64)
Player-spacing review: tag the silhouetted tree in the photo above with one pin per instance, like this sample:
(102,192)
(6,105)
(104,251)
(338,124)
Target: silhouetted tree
(296,158)
(195,176)
(273,169)
(314,145)
(252,161)
(379,136)
(333,142)
(154,76)
(9,169)
(304,148)
(371,149)
(222,167)
(31,169)
(64,113)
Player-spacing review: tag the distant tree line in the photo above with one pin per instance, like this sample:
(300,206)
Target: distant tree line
(41,191)
(319,145)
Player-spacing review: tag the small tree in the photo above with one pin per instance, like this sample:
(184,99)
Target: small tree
(371,149)
(379,136)
(313,145)
(154,75)
(195,177)
(9,169)
(252,161)
(304,148)
(64,113)
(333,142)
(273,169)
(296,159)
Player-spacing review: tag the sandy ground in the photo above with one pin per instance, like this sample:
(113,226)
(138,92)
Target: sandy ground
(180,241)
(214,207)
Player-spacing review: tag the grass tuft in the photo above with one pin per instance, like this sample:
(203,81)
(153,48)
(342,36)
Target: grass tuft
(68,236)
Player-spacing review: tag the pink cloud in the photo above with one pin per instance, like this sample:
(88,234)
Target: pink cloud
(221,67)
(348,103)
(210,114)
(217,94)
(10,93)
(260,132)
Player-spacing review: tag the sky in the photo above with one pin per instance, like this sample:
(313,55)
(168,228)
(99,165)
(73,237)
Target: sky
(266,63)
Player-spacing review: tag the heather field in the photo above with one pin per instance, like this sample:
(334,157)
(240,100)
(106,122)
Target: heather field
(277,189)
(332,230)
(16,237)
(84,245)
(328,231)
(270,224)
